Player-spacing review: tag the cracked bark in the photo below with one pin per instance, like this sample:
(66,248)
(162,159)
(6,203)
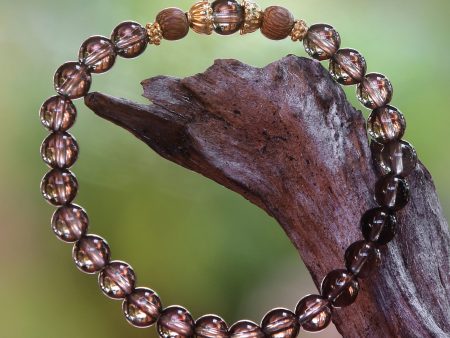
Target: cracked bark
(285,138)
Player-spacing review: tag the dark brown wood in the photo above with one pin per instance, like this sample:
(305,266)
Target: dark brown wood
(173,22)
(286,138)
(277,23)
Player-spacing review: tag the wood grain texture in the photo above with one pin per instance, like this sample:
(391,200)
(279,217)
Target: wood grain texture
(289,141)
(277,23)
(173,22)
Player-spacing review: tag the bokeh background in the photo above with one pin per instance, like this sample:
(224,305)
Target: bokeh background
(193,241)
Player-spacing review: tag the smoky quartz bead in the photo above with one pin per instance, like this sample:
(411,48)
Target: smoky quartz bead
(98,54)
(379,225)
(398,158)
(392,192)
(211,326)
(362,258)
(322,41)
(175,322)
(117,280)
(59,187)
(348,66)
(228,16)
(59,150)
(142,307)
(340,288)
(130,39)
(313,313)
(91,254)
(58,113)
(72,80)
(280,323)
(245,329)
(70,223)
(386,124)
(375,91)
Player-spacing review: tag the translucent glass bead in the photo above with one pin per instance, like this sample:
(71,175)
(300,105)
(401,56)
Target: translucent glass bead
(59,187)
(70,223)
(59,150)
(398,158)
(386,124)
(392,192)
(348,66)
(340,287)
(313,313)
(142,307)
(130,39)
(245,329)
(228,16)
(211,326)
(362,258)
(98,54)
(117,280)
(375,91)
(379,225)
(72,80)
(91,254)
(280,323)
(58,113)
(322,41)
(175,322)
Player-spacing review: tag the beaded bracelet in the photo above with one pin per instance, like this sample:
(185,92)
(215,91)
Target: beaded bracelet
(395,159)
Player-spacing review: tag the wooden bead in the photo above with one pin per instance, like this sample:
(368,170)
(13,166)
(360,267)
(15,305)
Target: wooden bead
(174,23)
(277,23)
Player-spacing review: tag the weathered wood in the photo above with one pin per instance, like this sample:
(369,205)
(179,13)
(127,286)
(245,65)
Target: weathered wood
(285,138)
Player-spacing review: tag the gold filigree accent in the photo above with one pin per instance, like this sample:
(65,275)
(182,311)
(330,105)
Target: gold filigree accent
(299,31)
(253,17)
(154,33)
(200,17)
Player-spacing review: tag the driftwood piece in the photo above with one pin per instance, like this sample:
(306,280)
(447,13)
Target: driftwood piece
(285,138)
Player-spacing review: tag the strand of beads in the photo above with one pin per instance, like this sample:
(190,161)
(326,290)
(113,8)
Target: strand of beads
(142,307)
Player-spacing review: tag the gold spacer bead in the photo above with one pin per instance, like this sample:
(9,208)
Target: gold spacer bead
(154,33)
(200,17)
(299,31)
(253,17)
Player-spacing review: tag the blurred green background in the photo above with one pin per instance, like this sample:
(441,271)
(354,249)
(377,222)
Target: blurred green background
(194,242)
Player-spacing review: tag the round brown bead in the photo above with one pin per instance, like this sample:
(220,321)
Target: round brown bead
(280,323)
(173,22)
(70,223)
(340,287)
(322,41)
(379,225)
(175,322)
(277,23)
(398,158)
(91,254)
(362,258)
(386,124)
(245,329)
(59,187)
(211,326)
(375,91)
(228,16)
(117,280)
(58,113)
(130,39)
(348,66)
(392,192)
(59,150)
(98,54)
(72,80)
(142,307)
(313,313)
